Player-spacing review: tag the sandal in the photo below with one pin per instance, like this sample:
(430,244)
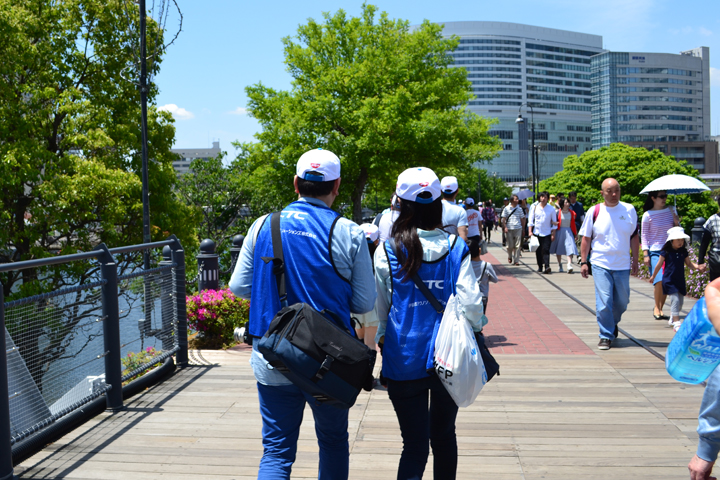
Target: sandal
(509,260)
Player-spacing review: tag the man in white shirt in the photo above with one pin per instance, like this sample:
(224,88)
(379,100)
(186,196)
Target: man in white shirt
(543,223)
(612,236)
(454,218)
(513,224)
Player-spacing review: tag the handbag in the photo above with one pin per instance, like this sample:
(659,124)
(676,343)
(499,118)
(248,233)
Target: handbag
(492,367)
(534,243)
(483,247)
(314,350)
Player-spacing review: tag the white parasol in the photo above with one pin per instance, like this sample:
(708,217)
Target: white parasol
(676,185)
(524,194)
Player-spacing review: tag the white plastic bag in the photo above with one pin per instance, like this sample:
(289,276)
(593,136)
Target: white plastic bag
(457,360)
(534,243)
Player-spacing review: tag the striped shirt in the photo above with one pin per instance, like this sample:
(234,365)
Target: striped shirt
(655,224)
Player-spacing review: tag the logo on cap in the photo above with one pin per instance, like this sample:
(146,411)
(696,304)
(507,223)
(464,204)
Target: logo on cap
(424,184)
(315,165)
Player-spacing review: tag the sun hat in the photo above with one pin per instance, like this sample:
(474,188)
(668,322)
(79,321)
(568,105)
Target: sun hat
(372,232)
(318,166)
(415,181)
(676,233)
(469,201)
(449,184)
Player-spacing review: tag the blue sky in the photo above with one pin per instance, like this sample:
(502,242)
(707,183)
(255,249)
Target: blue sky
(227,45)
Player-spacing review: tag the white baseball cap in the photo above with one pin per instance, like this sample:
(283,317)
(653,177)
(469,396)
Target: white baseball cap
(469,201)
(372,232)
(415,181)
(676,233)
(318,166)
(449,184)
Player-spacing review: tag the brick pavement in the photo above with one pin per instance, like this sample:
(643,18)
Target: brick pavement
(519,323)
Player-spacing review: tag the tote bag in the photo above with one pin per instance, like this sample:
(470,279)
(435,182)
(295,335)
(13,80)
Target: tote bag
(458,363)
(534,243)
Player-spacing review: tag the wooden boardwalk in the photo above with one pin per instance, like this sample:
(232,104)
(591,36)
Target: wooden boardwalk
(585,414)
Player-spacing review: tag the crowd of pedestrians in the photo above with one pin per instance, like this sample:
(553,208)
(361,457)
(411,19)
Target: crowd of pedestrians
(367,275)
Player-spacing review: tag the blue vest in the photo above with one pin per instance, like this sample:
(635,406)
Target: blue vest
(310,275)
(412,322)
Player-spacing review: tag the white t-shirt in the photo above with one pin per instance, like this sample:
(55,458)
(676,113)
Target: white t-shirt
(473,217)
(454,216)
(386,223)
(610,235)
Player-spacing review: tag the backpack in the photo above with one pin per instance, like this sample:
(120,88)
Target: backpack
(314,350)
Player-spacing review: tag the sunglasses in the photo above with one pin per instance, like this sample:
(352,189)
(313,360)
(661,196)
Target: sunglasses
(662,196)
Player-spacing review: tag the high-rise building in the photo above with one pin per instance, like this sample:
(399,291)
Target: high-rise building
(187,155)
(657,101)
(513,67)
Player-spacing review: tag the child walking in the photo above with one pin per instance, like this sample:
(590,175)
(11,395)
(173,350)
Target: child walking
(484,272)
(674,257)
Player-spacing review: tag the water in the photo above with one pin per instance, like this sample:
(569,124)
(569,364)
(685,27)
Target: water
(694,352)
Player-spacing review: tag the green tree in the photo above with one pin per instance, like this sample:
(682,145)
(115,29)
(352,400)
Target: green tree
(215,192)
(378,94)
(70,153)
(633,168)
(70,137)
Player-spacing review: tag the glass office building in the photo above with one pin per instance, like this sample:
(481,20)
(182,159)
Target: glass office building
(511,66)
(657,101)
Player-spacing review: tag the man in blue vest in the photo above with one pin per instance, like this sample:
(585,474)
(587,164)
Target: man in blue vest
(327,265)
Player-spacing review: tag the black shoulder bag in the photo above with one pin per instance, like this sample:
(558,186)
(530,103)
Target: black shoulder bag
(491,366)
(314,350)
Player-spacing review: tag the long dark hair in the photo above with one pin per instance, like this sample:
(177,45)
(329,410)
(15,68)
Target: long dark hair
(649,204)
(414,215)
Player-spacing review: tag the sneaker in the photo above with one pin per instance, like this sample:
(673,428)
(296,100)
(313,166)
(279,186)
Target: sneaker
(676,325)
(547,270)
(604,344)
(570,268)
(670,322)
(560,269)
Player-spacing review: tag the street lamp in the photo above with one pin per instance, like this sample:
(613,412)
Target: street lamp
(533,154)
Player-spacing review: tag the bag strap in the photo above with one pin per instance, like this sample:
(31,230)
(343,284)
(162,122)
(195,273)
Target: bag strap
(434,302)
(278,258)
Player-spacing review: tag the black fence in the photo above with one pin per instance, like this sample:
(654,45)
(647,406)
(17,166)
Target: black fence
(68,347)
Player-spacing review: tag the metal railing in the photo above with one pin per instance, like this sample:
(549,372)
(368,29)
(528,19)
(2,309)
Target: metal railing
(67,347)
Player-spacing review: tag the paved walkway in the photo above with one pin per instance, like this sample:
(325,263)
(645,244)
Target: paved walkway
(560,409)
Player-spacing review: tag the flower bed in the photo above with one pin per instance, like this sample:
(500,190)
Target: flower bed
(136,360)
(214,315)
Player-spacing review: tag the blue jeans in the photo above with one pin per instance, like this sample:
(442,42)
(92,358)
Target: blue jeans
(612,295)
(418,425)
(282,413)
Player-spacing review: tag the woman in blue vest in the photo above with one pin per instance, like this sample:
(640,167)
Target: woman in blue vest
(408,324)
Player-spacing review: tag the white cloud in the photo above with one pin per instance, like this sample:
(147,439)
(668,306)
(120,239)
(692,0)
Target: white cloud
(239,111)
(705,32)
(714,77)
(178,113)
(691,31)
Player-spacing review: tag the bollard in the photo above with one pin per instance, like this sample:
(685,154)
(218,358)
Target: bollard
(166,302)
(697,231)
(111,329)
(235,251)
(208,266)
(6,465)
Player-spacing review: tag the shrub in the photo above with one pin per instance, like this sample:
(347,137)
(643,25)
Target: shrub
(215,314)
(135,360)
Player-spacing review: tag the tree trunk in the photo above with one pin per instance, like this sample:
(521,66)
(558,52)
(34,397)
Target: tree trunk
(357,195)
